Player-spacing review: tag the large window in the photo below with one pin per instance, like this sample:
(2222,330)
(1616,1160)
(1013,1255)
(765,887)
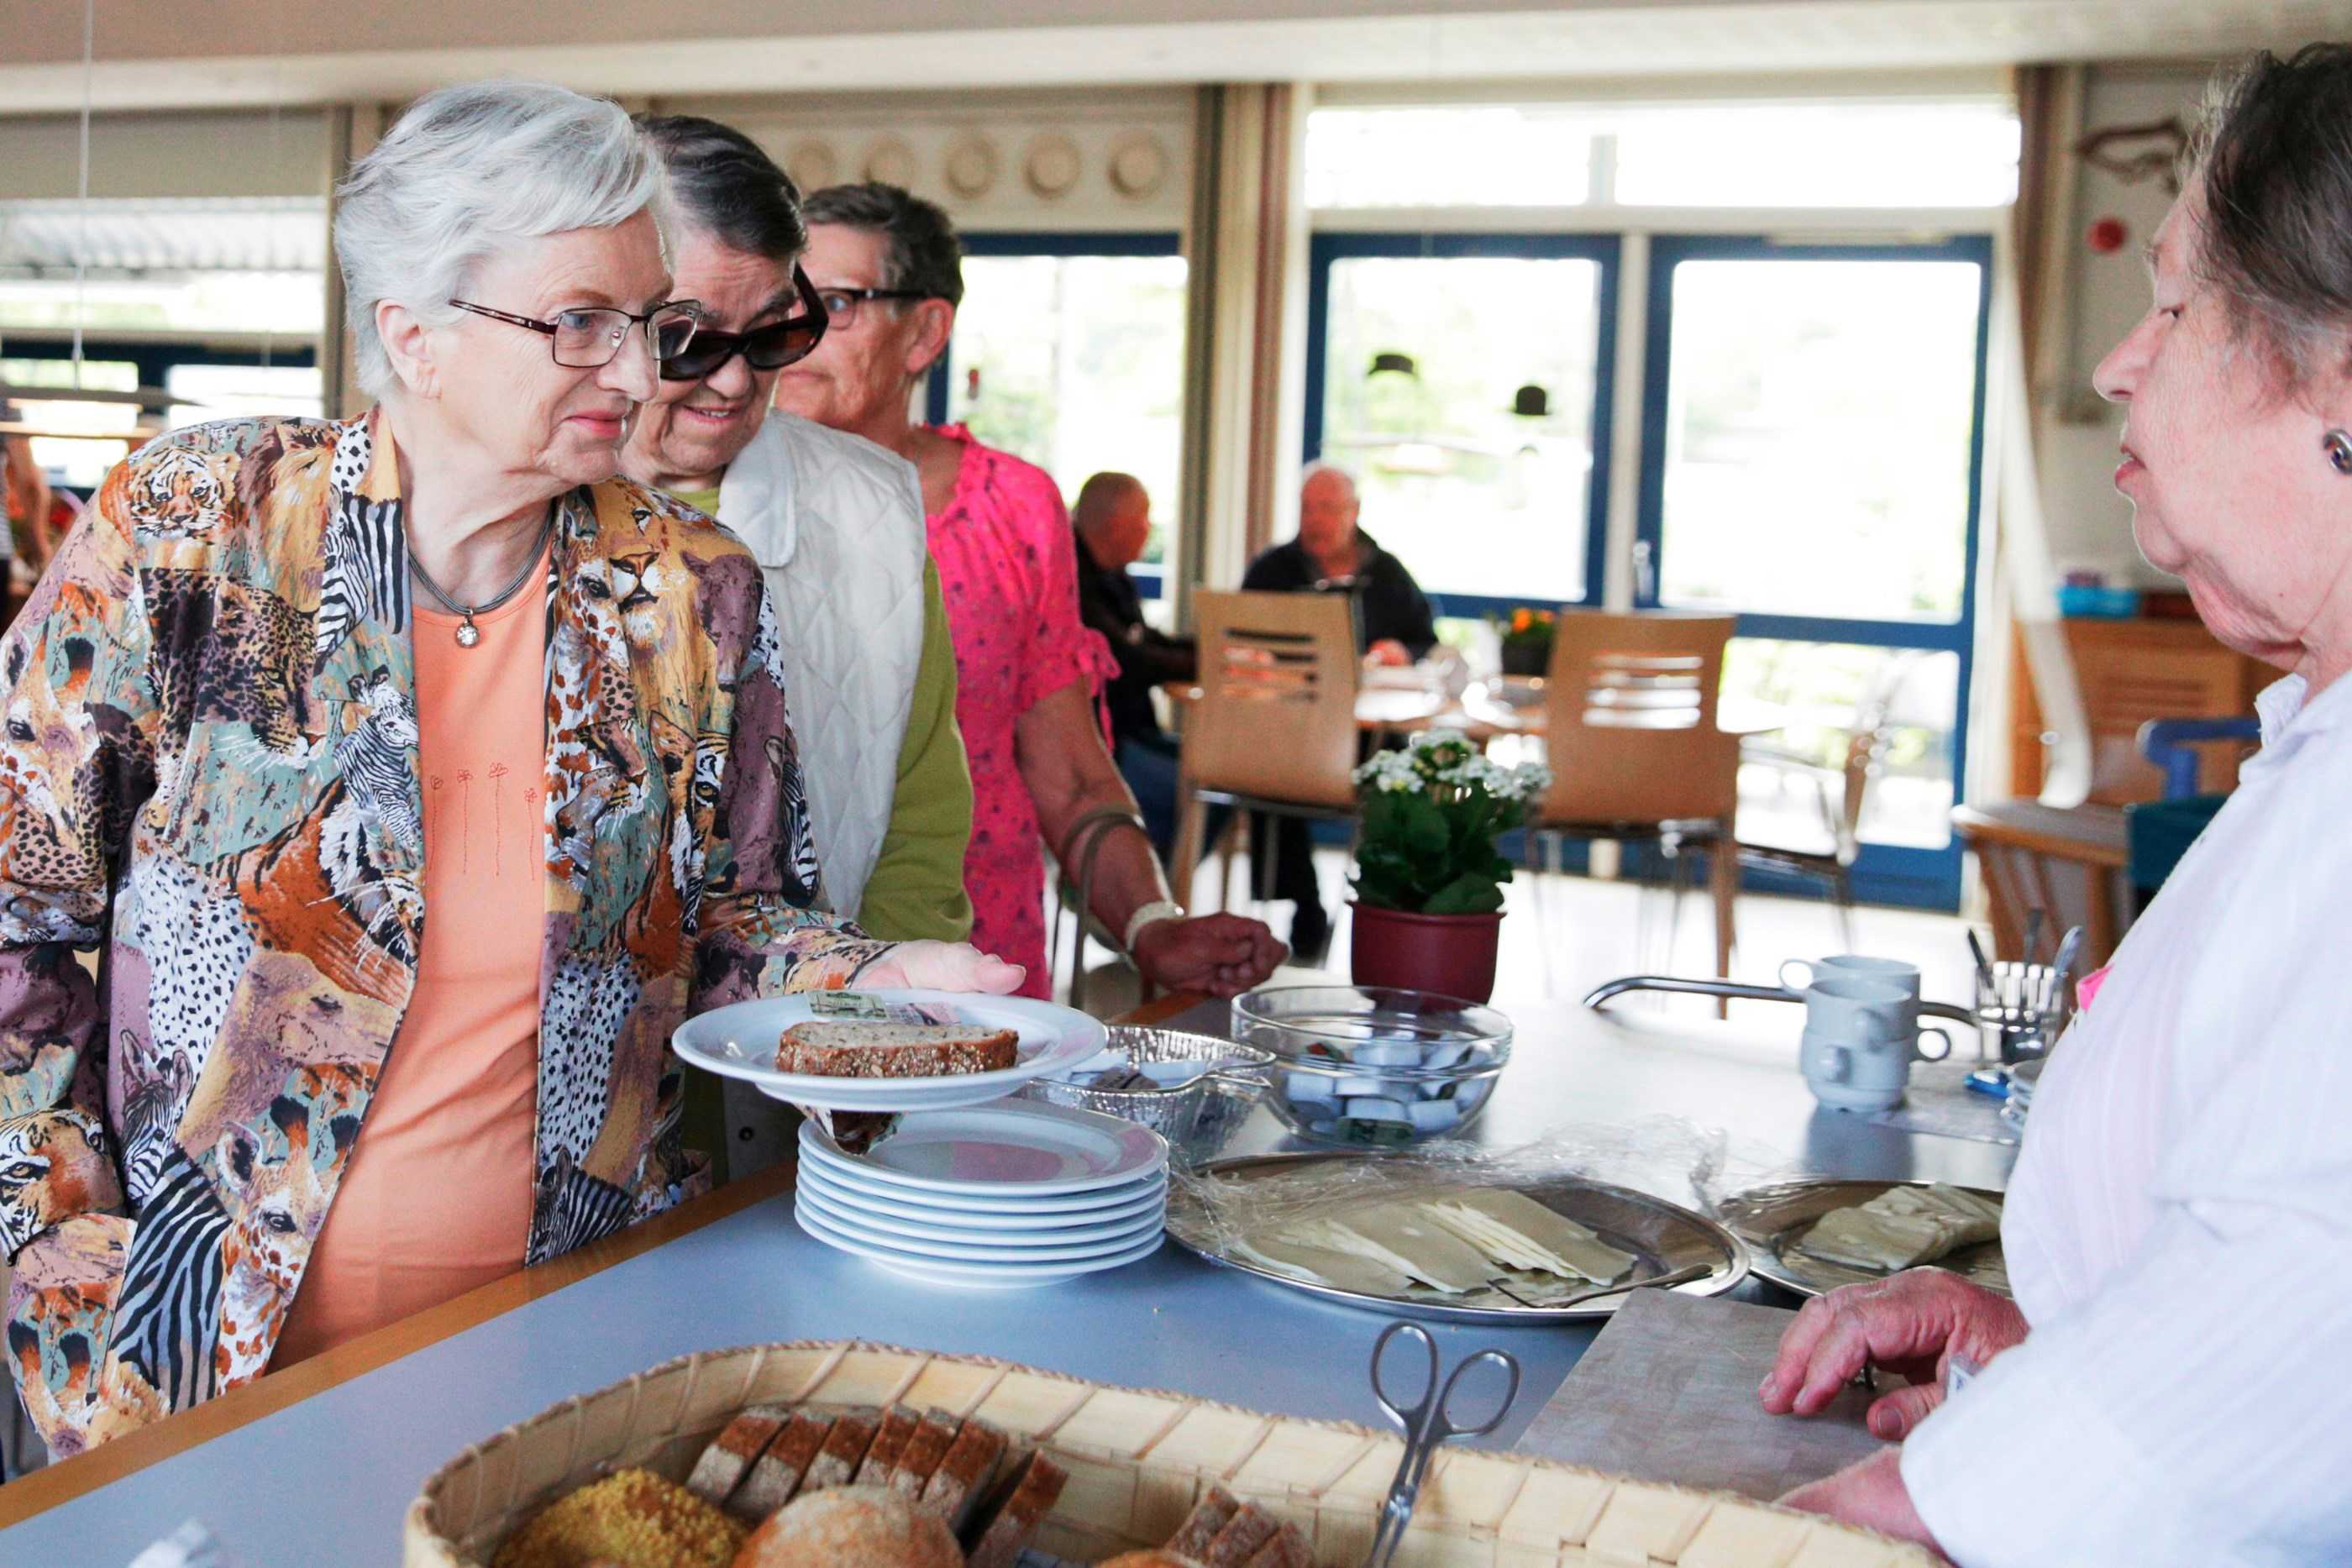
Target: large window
(1069,351)
(1806,411)
(1463,382)
(1812,460)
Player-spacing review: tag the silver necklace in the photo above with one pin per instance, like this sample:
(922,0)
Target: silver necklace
(468,632)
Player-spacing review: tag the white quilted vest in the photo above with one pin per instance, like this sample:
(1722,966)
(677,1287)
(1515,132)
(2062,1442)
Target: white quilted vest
(836,525)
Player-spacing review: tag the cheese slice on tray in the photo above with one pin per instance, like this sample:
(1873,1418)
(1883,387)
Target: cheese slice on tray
(1514,1228)
(1399,1235)
(1903,1227)
(1322,1265)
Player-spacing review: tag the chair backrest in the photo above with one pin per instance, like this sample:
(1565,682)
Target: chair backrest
(2124,686)
(1630,719)
(1276,717)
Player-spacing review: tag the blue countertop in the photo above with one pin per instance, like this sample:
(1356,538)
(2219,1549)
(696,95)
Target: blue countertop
(327,1481)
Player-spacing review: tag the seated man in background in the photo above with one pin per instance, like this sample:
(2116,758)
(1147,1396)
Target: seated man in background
(1393,627)
(836,525)
(1113,519)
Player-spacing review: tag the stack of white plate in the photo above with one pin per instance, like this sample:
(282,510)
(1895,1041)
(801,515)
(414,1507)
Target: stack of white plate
(2024,1079)
(1000,1197)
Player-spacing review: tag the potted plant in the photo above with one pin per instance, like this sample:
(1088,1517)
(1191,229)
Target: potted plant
(1428,881)
(1527,642)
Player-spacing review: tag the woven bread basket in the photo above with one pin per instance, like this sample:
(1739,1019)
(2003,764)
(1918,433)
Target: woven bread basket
(1138,1461)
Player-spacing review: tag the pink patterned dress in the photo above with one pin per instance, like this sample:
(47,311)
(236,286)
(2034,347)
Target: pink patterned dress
(1008,566)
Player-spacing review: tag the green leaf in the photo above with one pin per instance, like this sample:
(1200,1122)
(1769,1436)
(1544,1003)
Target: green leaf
(1469,893)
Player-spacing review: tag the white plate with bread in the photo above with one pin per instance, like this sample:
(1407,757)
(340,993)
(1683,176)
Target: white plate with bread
(887,1049)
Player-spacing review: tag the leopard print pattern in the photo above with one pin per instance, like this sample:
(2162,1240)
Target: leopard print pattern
(279,1181)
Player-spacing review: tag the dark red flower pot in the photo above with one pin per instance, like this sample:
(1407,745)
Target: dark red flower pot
(1452,955)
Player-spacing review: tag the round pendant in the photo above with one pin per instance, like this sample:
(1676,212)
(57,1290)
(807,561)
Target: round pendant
(466,634)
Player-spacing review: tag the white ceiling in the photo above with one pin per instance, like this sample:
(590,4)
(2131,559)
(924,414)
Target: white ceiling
(195,53)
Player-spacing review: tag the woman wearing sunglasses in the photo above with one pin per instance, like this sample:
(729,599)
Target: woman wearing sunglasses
(422,727)
(836,525)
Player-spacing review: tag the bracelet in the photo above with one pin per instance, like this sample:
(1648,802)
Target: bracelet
(1152,913)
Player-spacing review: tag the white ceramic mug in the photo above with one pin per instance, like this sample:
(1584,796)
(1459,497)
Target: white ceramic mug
(1852,1009)
(1833,1070)
(1861,1038)
(1893,972)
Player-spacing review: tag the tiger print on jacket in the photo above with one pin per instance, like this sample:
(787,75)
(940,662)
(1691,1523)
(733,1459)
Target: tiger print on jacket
(208,722)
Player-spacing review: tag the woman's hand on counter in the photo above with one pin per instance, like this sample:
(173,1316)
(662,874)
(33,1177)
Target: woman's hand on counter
(1909,1323)
(943,966)
(1869,1492)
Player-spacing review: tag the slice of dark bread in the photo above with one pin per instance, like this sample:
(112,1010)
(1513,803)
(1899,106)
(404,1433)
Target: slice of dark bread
(899,1424)
(836,1463)
(857,1049)
(1004,1525)
(1201,1526)
(956,1487)
(776,1475)
(722,1466)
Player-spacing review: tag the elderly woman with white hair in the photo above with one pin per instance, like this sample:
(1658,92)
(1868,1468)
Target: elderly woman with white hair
(2169,1385)
(417,776)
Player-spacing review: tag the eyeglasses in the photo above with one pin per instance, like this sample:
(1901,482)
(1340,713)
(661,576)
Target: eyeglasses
(769,348)
(842,304)
(585,339)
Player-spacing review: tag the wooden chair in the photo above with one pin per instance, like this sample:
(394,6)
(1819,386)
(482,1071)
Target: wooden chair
(1635,754)
(2069,864)
(1844,791)
(1273,728)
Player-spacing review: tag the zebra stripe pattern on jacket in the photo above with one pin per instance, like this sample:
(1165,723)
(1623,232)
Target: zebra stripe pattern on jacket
(366,572)
(167,1317)
(574,1209)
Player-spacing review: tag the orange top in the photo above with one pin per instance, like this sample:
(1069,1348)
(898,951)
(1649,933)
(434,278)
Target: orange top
(438,1197)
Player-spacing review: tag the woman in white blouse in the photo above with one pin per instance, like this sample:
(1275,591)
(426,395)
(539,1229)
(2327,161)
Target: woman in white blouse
(2174,1382)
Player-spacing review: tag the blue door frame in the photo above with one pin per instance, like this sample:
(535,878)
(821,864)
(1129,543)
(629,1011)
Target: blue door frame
(1883,874)
(1150,580)
(1323,249)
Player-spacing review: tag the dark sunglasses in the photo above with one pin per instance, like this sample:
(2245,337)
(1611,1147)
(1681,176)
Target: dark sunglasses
(769,348)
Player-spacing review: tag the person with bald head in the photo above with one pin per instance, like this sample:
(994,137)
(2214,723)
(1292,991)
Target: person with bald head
(1112,518)
(1393,626)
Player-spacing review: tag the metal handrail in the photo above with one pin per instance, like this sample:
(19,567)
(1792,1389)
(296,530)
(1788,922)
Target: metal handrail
(1733,990)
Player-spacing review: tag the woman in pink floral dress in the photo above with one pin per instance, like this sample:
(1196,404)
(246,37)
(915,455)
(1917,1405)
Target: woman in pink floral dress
(890,270)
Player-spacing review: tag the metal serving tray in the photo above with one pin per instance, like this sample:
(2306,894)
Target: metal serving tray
(1664,1237)
(1772,1219)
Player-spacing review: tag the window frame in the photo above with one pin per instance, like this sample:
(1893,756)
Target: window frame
(1883,873)
(1325,247)
(1151,579)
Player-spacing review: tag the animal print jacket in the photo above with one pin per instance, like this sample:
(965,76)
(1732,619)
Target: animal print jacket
(208,768)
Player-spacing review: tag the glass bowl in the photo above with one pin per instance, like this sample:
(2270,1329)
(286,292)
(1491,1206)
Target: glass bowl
(1371,1065)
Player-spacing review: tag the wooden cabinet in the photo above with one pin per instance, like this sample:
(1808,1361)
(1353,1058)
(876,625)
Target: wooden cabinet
(2131,672)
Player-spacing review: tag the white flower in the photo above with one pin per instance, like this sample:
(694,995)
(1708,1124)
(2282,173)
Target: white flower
(1524,783)
(1390,771)
(1476,770)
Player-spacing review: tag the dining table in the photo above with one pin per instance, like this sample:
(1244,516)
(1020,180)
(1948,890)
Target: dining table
(316,1464)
